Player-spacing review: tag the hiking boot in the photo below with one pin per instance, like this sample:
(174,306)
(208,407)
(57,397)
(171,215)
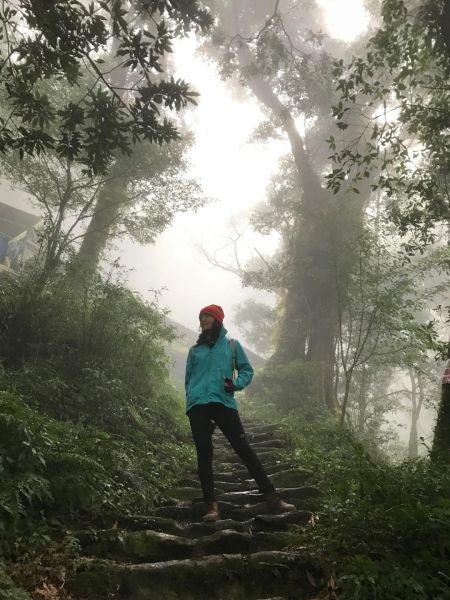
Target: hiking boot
(212,513)
(276,505)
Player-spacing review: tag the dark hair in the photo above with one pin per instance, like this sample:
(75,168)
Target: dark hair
(210,335)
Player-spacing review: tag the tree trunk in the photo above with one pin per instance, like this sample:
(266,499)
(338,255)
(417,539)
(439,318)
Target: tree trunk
(324,226)
(441,441)
(110,200)
(362,400)
(413,449)
(292,333)
(108,208)
(310,308)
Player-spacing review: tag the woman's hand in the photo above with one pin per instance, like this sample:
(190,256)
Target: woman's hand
(229,385)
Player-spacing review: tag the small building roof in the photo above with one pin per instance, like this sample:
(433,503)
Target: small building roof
(14,221)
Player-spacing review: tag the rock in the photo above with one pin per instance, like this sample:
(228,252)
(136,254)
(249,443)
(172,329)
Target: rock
(261,429)
(237,486)
(192,493)
(142,522)
(227,475)
(241,498)
(282,521)
(143,546)
(269,444)
(258,437)
(289,494)
(263,455)
(276,466)
(234,469)
(204,529)
(226,577)
(290,477)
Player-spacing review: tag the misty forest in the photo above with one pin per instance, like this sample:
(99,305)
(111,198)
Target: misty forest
(329,251)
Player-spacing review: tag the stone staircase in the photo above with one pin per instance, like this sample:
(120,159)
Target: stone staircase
(170,554)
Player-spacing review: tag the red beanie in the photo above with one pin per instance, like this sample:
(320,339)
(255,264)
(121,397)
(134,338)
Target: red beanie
(215,311)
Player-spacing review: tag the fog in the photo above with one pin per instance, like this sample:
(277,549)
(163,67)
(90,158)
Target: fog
(234,174)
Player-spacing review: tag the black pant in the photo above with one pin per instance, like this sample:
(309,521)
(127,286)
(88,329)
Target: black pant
(202,418)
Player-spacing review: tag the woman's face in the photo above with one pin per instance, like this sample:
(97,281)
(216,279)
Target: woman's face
(206,321)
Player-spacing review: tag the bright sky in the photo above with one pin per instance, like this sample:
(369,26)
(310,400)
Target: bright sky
(232,171)
(344,19)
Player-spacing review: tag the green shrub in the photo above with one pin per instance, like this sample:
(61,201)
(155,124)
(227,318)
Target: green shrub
(385,527)
(8,591)
(278,389)
(92,355)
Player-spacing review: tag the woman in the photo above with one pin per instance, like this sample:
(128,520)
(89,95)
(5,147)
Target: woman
(210,400)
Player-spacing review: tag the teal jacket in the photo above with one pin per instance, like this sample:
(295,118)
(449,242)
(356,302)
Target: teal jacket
(207,367)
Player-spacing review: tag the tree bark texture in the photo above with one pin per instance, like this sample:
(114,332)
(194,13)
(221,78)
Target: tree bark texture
(309,320)
(413,449)
(108,208)
(109,204)
(362,399)
(441,442)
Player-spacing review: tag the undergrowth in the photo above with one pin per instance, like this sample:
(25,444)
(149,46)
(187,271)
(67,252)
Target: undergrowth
(384,529)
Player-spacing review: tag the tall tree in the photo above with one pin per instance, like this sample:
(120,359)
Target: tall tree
(277,52)
(151,186)
(102,91)
(411,51)
(42,41)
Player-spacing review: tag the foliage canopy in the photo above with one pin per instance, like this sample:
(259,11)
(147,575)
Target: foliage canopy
(43,42)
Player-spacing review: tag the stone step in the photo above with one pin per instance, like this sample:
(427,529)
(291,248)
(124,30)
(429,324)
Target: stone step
(256,429)
(263,455)
(171,554)
(288,494)
(139,546)
(139,522)
(290,477)
(152,546)
(259,437)
(261,522)
(242,486)
(221,443)
(223,486)
(195,493)
(276,466)
(232,469)
(269,444)
(238,470)
(270,523)
(219,474)
(224,577)
(281,522)
(239,477)
(190,493)
(229,484)
(189,513)
(230,475)
(167,525)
